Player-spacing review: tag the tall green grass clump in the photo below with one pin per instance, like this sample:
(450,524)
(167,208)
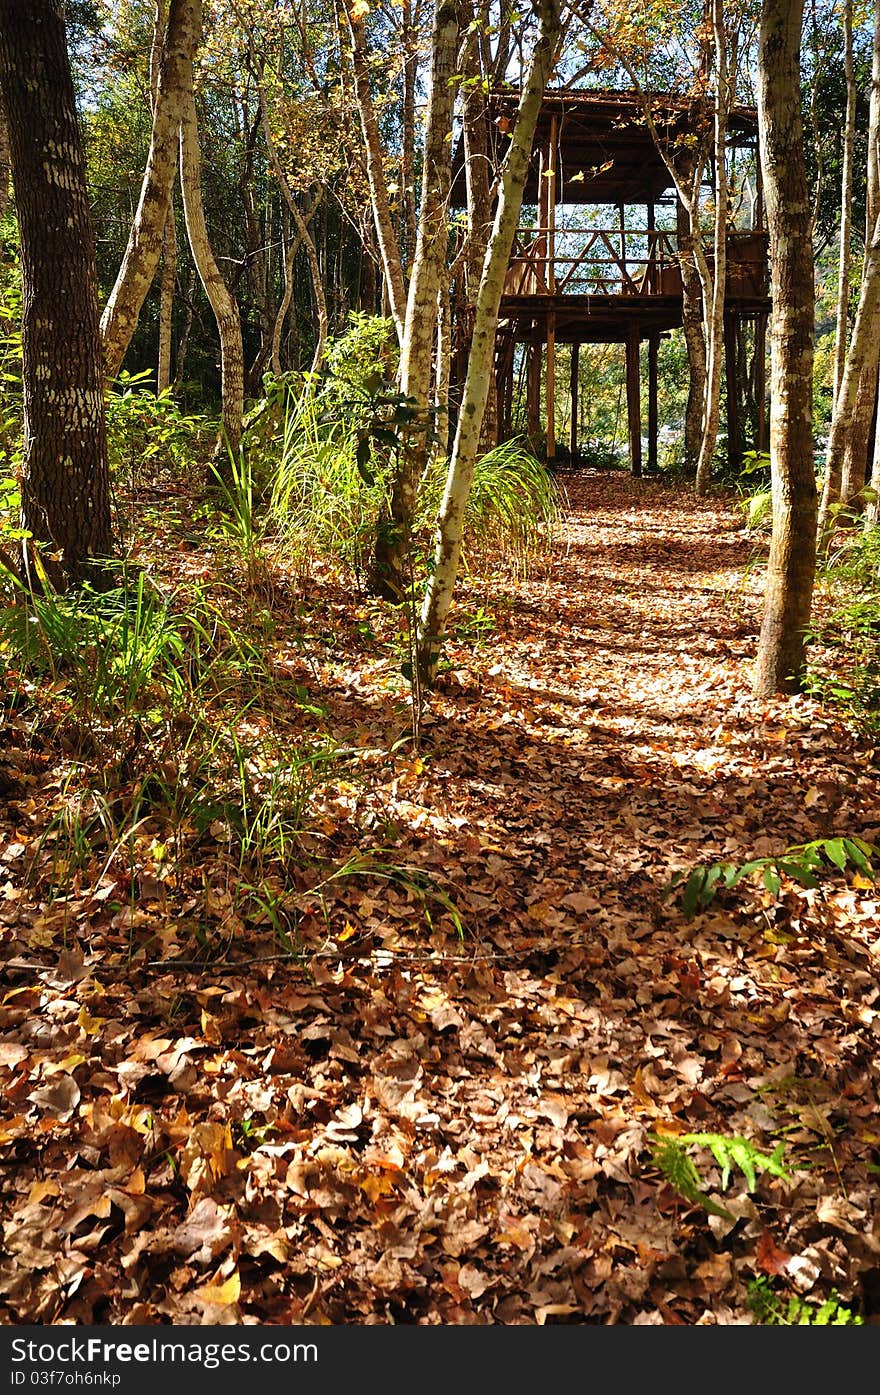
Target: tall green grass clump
(512,511)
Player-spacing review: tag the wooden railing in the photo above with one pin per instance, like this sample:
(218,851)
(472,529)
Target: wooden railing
(627,262)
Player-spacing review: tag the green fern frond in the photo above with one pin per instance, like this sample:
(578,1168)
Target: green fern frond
(771,1309)
(733,1151)
(673,1161)
(730,1151)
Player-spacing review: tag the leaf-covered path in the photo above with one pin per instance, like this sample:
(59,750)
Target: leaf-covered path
(405,1125)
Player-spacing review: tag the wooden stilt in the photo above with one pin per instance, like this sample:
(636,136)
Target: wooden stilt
(761,380)
(533,390)
(551,387)
(651,264)
(653,349)
(552,161)
(734,442)
(573,420)
(633,400)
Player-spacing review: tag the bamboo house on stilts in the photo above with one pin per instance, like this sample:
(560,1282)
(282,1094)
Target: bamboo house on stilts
(596,261)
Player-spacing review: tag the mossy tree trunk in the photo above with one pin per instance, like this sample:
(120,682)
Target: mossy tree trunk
(448,538)
(791,570)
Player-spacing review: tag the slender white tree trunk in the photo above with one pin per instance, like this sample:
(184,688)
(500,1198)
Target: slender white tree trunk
(166,301)
(855,457)
(389,248)
(221,301)
(714,302)
(304,237)
(291,250)
(443,371)
(447,546)
(860,349)
(391,561)
(872,512)
(846,190)
(174,77)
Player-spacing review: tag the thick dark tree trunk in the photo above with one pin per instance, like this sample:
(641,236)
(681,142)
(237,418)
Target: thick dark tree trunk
(792,566)
(65,487)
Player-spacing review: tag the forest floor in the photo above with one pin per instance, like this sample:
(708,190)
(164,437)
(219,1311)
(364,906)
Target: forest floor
(438,1115)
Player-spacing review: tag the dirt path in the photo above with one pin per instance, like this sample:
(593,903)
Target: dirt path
(430,1129)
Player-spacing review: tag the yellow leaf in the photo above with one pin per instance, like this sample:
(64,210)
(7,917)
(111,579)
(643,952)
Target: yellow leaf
(137,1183)
(862,882)
(40,1190)
(222,1294)
(811,797)
(376,1186)
(210,1029)
(90,1025)
(76,1058)
(516,1235)
(359,10)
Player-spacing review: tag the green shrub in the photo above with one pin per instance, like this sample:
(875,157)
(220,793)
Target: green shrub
(844,654)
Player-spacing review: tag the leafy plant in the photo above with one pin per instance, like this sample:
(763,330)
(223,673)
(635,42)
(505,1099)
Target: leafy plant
(732,1153)
(145,427)
(772,1309)
(844,652)
(803,863)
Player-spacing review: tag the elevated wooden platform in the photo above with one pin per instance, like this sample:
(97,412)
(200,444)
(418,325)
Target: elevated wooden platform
(575,277)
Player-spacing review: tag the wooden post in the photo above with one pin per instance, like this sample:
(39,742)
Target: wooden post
(542,268)
(551,386)
(533,389)
(653,348)
(573,391)
(633,400)
(551,206)
(651,260)
(621,212)
(734,448)
(761,380)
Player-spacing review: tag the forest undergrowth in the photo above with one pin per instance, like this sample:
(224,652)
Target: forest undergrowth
(317,1013)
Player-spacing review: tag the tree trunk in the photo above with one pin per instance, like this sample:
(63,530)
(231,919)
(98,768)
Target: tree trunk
(791,570)
(860,364)
(5,164)
(292,248)
(221,301)
(854,402)
(442,371)
(857,448)
(410,42)
(304,237)
(694,338)
(872,512)
(64,478)
(846,190)
(391,562)
(857,451)
(144,249)
(714,305)
(389,249)
(166,301)
(478,185)
(447,548)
